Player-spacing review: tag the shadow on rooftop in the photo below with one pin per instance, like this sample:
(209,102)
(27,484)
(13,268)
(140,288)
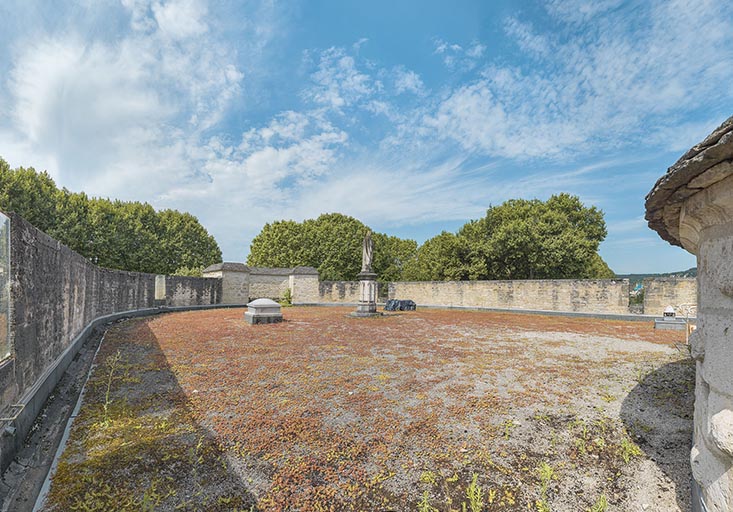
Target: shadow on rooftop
(147,452)
(657,413)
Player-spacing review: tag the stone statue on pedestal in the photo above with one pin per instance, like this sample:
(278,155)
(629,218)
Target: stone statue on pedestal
(367,251)
(367,281)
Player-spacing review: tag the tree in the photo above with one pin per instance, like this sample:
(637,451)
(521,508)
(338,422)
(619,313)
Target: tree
(542,240)
(332,244)
(184,243)
(598,269)
(280,244)
(30,194)
(73,219)
(519,239)
(335,241)
(441,258)
(123,235)
(391,256)
(114,234)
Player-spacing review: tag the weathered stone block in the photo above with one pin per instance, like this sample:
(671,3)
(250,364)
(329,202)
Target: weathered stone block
(263,311)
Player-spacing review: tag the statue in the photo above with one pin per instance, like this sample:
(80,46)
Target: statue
(367,253)
(367,281)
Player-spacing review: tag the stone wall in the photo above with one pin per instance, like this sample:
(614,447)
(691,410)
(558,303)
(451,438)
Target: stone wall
(187,291)
(268,283)
(660,292)
(55,294)
(339,291)
(587,296)
(692,206)
(241,284)
(234,281)
(304,285)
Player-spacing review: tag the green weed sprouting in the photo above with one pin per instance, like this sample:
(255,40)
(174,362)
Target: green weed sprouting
(508,426)
(628,449)
(111,363)
(428,477)
(546,474)
(287,299)
(475,495)
(424,504)
(601,505)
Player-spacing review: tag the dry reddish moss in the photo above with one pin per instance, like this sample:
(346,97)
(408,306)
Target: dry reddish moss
(327,412)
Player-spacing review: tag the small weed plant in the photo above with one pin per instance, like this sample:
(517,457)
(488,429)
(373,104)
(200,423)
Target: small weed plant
(112,364)
(628,450)
(424,504)
(428,477)
(509,425)
(475,495)
(601,505)
(287,299)
(546,474)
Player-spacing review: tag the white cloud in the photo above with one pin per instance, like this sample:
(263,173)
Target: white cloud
(476,50)
(107,114)
(456,56)
(633,225)
(180,19)
(338,83)
(580,11)
(139,114)
(526,37)
(407,81)
(612,84)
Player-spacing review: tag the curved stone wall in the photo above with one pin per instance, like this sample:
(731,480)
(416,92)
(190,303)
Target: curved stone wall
(55,294)
(692,206)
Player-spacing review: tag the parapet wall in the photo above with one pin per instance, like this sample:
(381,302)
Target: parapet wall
(56,293)
(241,283)
(269,283)
(587,296)
(660,292)
(338,291)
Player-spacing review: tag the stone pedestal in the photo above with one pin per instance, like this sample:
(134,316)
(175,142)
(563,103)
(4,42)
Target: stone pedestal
(263,311)
(367,295)
(692,206)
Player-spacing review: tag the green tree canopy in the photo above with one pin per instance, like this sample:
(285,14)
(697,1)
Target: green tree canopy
(332,244)
(519,239)
(30,192)
(113,234)
(441,258)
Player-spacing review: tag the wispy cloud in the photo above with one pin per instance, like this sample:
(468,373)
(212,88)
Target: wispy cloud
(406,80)
(111,112)
(338,83)
(158,108)
(527,38)
(456,56)
(610,85)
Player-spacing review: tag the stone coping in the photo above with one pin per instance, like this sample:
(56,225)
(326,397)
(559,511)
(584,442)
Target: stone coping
(705,164)
(227,265)
(241,267)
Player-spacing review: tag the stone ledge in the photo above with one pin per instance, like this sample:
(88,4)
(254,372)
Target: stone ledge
(702,166)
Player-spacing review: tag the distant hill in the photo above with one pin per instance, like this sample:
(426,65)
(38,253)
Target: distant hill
(636,278)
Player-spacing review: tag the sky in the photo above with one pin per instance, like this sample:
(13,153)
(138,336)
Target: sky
(412,116)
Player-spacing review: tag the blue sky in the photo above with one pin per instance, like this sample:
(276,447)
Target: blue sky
(413,116)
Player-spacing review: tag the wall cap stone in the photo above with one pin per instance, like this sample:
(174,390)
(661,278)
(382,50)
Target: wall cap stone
(241,267)
(227,265)
(304,271)
(702,166)
(270,271)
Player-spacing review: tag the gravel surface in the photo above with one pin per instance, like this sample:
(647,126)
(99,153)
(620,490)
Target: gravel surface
(425,410)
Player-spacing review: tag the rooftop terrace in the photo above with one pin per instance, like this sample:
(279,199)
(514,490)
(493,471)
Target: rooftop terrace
(434,408)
